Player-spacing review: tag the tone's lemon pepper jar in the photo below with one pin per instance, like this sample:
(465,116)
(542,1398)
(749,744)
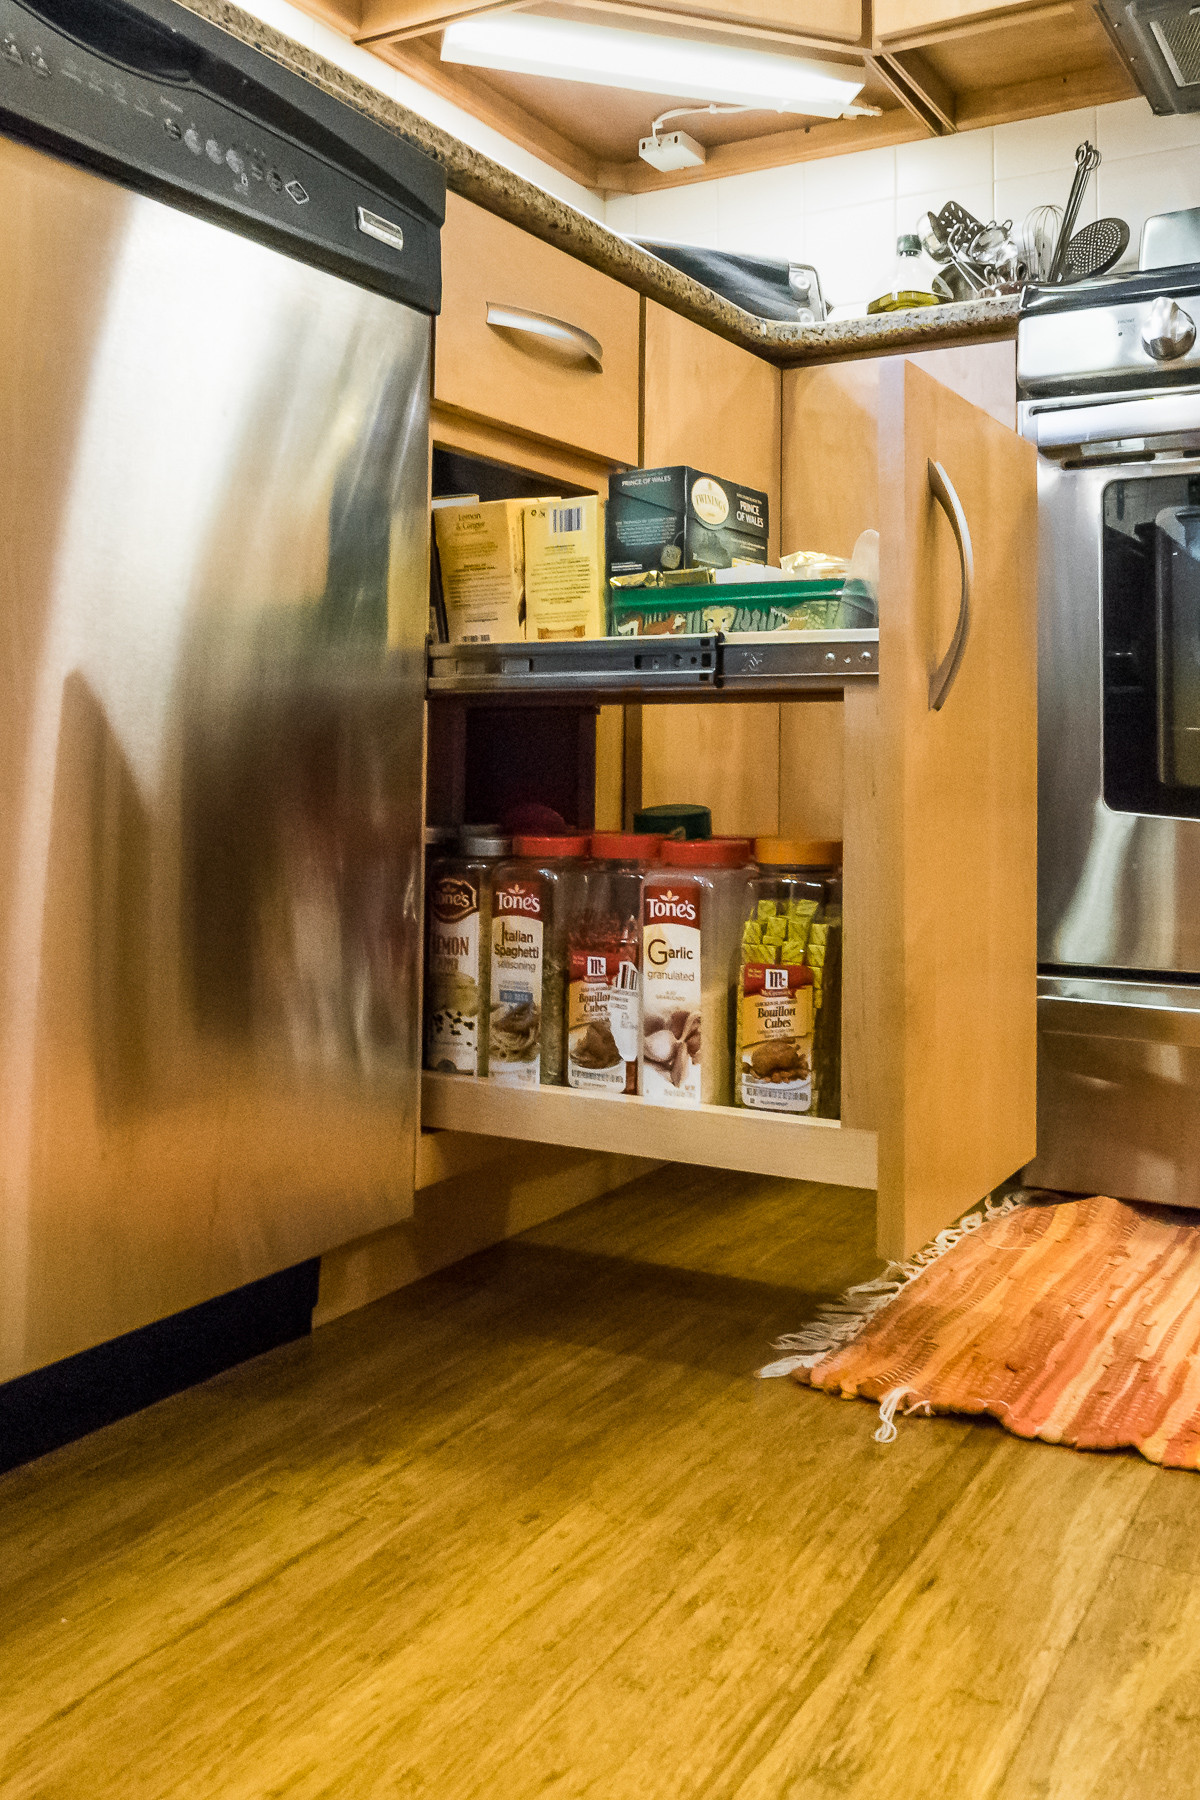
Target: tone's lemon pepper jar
(458,959)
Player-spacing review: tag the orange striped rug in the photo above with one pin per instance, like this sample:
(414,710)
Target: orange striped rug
(1076,1322)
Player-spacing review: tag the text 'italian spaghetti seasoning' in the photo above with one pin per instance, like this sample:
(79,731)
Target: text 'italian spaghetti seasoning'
(532,900)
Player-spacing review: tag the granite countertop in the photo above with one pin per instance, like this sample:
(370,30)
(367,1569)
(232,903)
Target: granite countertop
(489,184)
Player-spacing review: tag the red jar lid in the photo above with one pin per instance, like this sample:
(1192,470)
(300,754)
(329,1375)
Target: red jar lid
(626,846)
(707,853)
(565,843)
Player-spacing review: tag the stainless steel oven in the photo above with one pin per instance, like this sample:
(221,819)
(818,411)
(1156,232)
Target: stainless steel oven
(1110,384)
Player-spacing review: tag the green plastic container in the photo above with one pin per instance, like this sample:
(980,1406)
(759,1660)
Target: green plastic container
(739,606)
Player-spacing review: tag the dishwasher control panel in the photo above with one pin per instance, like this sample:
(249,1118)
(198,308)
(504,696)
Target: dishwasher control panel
(110,86)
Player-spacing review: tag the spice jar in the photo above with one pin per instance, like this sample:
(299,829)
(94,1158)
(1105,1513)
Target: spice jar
(603,965)
(776,998)
(691,920)
(823,954)
(458,957)
(534,896)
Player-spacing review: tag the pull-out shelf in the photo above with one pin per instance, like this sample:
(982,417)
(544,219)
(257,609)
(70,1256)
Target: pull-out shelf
(746,665)
(720,1137)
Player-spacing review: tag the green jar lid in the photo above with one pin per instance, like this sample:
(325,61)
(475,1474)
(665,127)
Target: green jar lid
(676,820)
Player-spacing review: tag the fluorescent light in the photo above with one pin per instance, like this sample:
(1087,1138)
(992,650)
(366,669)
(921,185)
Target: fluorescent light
(568,51)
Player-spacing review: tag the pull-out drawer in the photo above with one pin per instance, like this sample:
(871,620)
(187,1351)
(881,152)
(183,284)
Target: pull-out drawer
(532,338)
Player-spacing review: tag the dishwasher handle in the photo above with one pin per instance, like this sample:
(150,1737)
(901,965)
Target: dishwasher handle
(943,677)
(556,331)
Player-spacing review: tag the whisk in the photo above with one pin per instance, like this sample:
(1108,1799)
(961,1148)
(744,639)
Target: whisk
(1039,236)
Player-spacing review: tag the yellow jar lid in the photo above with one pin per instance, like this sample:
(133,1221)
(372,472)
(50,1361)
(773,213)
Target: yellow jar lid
(807,853)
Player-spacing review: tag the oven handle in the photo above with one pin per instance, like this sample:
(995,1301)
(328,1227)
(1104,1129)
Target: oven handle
(942,679)
(1068,431)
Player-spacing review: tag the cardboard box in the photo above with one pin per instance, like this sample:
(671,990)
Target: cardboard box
(564,569)
(680,518)
(482,554)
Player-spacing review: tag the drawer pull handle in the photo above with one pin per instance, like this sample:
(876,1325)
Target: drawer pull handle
(942,679)
(509,318)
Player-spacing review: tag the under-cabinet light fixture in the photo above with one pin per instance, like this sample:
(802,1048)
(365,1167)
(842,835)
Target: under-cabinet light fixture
(570,51)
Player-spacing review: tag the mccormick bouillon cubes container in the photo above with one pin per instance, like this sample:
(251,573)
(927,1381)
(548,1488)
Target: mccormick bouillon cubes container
(680,518)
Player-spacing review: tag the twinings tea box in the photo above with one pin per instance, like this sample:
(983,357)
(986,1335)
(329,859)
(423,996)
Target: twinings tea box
(518,956)
(564,569)
(481,550)
(672,988)
(680,518)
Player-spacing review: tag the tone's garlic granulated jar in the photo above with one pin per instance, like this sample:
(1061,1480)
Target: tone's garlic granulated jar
(691,913)
(787,1054)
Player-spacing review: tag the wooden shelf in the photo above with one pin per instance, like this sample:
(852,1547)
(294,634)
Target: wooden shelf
(720,1137)
(745,665)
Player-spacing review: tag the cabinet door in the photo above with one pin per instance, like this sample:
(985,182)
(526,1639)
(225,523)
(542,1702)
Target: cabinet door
(955,855)
(551,386)
(716,407)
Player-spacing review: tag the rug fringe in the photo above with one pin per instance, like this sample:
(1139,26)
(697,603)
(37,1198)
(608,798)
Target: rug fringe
(889,1406)
(843,1320)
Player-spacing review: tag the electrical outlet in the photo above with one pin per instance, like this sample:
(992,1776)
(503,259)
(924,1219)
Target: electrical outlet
(672,150)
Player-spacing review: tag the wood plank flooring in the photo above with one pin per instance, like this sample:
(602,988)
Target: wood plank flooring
(529,1528)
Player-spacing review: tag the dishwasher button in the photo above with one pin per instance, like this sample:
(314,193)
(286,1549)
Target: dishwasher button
(385,230)
(299,194)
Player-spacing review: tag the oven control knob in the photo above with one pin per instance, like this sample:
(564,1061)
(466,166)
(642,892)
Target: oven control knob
(1170,332)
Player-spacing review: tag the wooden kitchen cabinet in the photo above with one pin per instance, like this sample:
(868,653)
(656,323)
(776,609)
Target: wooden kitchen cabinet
(579,386)
(935,805)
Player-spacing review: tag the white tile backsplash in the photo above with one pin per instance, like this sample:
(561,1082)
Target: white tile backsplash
(1129,128)
(767,207)
(1137,186)
(849,180)
(949,163)
(690,215)
(1039,146)
(843,213)
(849,246)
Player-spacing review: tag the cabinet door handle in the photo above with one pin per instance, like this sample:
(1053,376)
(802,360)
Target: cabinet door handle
(511,318)
(942,679)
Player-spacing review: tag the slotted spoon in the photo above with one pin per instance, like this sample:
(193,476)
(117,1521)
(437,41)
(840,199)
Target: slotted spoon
(1094,250)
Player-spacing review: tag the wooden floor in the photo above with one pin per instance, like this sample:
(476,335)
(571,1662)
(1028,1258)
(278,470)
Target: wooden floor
(530,1528)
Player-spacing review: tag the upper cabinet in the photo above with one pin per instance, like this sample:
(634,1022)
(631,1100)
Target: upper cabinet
(534,340)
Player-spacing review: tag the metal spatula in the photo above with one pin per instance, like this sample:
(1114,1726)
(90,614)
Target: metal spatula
(1094,250)
(958,226)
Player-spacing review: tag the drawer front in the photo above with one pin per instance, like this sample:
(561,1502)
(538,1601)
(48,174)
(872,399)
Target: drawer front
(560,358)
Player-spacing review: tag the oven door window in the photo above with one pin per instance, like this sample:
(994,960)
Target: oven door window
(1151,645)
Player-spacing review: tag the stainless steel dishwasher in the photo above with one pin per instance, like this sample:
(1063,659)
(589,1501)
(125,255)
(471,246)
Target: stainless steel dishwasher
(216,284)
